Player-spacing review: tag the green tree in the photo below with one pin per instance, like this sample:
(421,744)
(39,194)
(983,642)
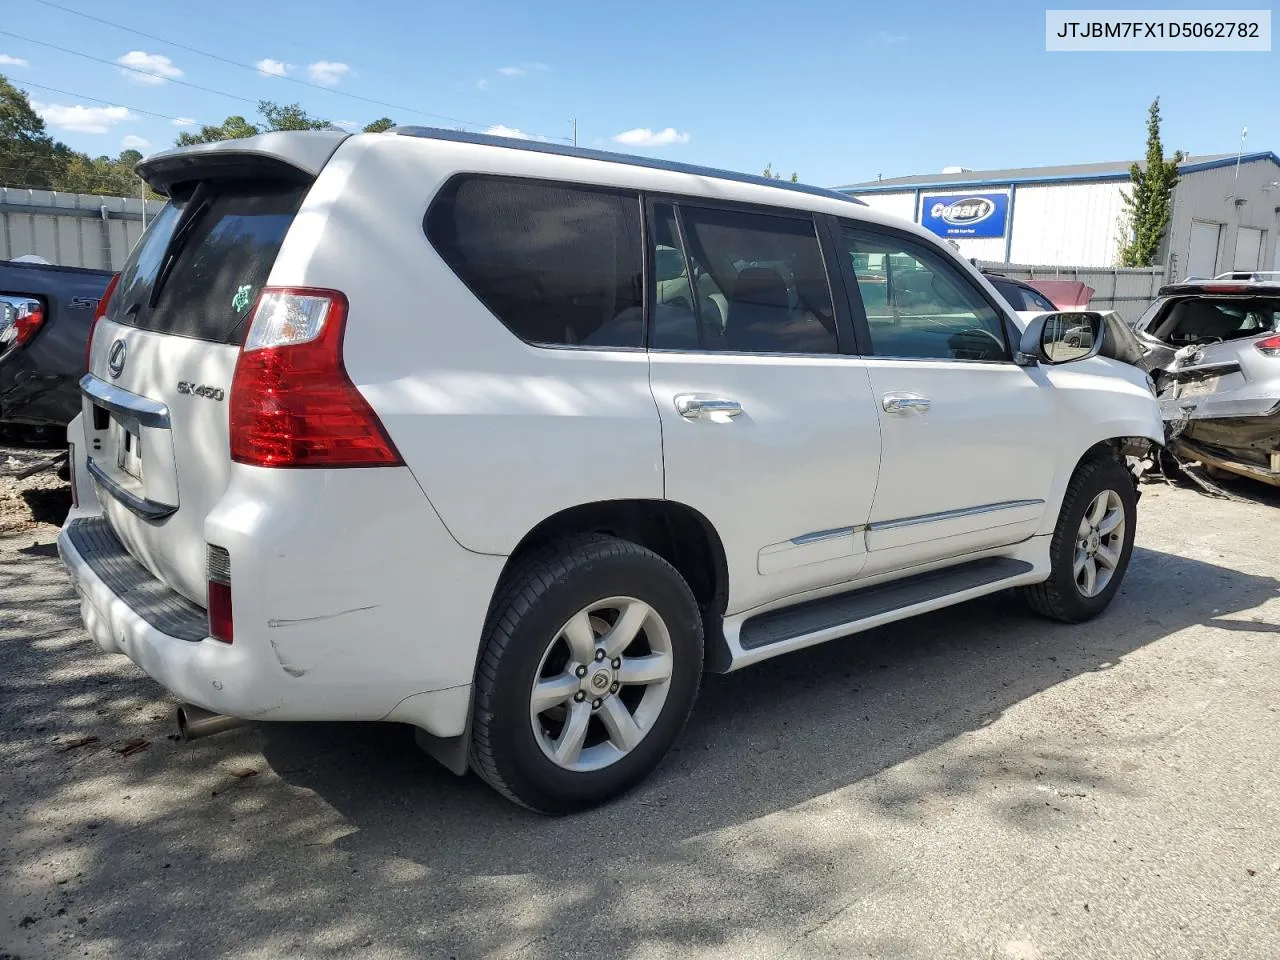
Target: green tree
(29,157)
(288,116)
(1148,205)
(232,128)
(105,175)
(769,174)
(379,125)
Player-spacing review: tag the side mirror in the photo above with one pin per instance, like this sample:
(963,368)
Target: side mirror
(1065,337)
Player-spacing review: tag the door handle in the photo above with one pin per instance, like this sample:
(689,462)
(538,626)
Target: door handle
(906,402)
(694,407)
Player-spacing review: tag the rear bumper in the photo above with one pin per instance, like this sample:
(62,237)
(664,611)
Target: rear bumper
(217,676)
(406,656)
(1225,460)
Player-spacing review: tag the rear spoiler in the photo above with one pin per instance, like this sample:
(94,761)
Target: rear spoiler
(299,154)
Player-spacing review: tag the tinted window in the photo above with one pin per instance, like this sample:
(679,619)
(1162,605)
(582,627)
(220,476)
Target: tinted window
(758,283)
(1036,300)
(557,264)
(211,264)
(920,306)
(1011,292)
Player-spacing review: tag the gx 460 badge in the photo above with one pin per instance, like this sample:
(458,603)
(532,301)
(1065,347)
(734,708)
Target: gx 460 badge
(200,390)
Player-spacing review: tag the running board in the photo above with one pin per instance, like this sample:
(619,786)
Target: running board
(850,608)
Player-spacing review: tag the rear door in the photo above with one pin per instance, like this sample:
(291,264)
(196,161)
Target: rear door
(161,364)
(768,429)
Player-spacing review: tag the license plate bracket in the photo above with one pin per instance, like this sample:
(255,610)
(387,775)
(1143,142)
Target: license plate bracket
(1202,387)
(128,444)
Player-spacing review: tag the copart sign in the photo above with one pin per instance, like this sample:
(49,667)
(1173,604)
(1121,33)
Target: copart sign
(965,214)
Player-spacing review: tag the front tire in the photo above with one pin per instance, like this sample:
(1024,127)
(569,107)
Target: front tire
(1091,544)
(590,665)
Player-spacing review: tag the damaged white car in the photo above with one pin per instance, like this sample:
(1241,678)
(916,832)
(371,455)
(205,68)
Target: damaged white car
(1213,349)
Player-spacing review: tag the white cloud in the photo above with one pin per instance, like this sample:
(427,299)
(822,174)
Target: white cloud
(524,68)
(80,119)
(8,61)
(499,130)
(155,67)
(482,83)
(132,142)
(327,72)
(644,137)
(183,122)
(274,68)
(887,39)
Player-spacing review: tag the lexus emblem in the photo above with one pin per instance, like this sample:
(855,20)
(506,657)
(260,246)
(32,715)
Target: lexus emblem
(115,358)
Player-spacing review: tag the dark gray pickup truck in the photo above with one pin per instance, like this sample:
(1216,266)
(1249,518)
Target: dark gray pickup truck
(45,315)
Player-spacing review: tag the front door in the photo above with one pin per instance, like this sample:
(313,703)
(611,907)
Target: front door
(968,439)
(767,429)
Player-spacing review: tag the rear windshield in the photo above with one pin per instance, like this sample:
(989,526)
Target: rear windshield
(201,264)
(1207,319)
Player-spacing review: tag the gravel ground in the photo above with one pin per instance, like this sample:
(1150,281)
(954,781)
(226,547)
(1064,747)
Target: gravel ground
(974,784)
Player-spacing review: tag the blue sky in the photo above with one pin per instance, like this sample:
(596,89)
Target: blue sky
(837,91)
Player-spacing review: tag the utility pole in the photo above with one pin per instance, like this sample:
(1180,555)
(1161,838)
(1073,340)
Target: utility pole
(574,121)
(1244,132)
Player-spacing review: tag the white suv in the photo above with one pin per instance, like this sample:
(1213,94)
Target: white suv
(512,442)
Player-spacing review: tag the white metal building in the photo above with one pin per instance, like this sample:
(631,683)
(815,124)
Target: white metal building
(1226,213)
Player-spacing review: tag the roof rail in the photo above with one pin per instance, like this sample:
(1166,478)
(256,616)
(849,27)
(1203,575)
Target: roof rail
(563,150)
(1255,275)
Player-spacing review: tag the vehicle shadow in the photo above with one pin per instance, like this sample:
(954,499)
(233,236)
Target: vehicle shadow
(347,835)
(787,731)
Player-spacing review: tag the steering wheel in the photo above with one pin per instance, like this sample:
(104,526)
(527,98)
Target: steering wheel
(977,332)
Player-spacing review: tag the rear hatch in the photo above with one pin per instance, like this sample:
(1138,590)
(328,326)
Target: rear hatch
(1226,358)
(163,355)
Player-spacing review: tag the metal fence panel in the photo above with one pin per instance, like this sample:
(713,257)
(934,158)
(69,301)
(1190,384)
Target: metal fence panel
(72,229)
(1126,290)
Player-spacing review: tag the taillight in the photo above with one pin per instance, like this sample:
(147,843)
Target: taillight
(1269,347)
(28,322)
(98,314)
(218,572)
(292,403)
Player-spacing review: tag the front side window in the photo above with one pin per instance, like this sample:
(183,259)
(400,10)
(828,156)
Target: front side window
(918,305)
(557,264)
(749,282)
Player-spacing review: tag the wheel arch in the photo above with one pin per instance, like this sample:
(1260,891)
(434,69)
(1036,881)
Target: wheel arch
(678,533)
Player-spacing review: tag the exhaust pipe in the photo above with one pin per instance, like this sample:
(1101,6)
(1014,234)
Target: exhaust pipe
(195,722)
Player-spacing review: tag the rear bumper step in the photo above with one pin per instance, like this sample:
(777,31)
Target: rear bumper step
(162,608)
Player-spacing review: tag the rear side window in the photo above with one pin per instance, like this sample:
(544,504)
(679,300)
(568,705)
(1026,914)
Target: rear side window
(758,285)
(559,265)
(200,267)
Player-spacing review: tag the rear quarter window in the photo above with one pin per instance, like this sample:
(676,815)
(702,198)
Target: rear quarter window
(557,264)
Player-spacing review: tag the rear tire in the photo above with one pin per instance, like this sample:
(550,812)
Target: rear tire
(590,665)
(1091,544)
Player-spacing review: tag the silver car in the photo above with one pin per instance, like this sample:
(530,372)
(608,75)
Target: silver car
(1213,349)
